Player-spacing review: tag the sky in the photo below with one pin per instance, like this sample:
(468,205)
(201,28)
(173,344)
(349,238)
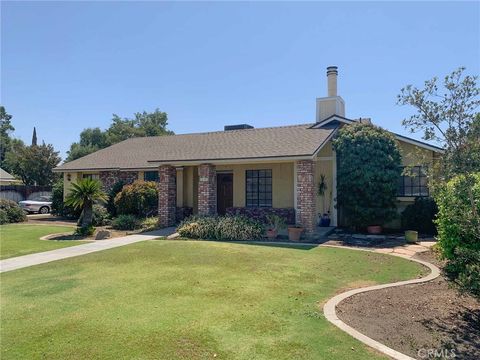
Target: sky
(66,66)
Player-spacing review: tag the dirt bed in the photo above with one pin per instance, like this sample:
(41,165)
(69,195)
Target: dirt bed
(413,319)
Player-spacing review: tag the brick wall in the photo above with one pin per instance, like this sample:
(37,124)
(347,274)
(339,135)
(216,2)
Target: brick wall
(207,189)
(167,196)
(110,178)
(306,214)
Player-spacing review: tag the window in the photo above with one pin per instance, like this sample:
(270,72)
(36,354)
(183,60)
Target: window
(414,183)
(259,188)
(91,176)
(150,176)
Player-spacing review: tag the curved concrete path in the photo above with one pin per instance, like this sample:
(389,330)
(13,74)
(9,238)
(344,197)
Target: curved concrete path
(20,262)
(331,315)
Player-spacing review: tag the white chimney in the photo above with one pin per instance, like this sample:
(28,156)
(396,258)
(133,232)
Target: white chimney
(332,104)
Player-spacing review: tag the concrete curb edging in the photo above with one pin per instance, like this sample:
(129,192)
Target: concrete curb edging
(331,315)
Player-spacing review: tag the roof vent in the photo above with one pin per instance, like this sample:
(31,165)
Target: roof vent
(365,121)
(237,127)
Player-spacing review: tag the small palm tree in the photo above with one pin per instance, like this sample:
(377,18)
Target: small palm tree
(83,194)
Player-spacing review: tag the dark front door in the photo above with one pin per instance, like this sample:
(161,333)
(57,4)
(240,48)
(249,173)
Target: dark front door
(224,192)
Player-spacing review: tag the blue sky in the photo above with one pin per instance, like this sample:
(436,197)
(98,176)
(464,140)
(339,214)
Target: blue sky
(70,65)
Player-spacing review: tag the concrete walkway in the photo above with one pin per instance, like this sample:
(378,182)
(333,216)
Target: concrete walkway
(20,262)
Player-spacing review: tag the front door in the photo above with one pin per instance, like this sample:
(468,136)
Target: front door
(224,192)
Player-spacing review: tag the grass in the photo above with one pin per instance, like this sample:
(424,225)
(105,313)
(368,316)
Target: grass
(23,239)
(188,300)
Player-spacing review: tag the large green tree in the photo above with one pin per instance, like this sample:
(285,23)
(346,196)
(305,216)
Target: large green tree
(6,128)
(368,170)
(33,164)
(447,112)
(142,124)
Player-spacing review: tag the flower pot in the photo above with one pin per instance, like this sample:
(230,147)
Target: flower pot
(294,233)
(374,229)
(411,236)
(272,234)
(325,222)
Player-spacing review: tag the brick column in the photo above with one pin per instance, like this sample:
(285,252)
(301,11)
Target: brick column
(306,213)
(167,195)
(207,190)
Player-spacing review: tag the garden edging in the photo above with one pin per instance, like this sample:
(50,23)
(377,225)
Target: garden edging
(329,309)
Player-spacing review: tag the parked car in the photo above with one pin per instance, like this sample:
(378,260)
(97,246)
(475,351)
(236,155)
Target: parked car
(41,205)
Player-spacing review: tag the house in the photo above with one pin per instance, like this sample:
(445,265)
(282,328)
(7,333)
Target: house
(8,179)
(243,168)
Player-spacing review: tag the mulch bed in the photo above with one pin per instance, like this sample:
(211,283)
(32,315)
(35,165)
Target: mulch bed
(415,318)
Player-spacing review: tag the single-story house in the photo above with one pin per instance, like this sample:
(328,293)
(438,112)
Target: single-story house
(244,169)
(8,179)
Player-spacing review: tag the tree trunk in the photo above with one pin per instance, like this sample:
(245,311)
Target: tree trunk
(87,215)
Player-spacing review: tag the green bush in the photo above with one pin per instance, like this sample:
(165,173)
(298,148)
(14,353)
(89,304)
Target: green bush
(221,228)
(84,230)
(125,222)
(139,198)
(420,215)
(458,219)
(100,215)
(464,269)
(150,223)
(116,188)
(3,217)
(58,206)
(13,212)
(368,170)
(458,224)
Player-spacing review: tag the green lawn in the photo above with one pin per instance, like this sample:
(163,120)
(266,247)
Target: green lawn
(22,239)
(188,300)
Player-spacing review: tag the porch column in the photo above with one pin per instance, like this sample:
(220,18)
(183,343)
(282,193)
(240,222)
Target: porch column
(306,209)
(167,195)
(207,189)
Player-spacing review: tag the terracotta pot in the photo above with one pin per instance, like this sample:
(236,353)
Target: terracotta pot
(272,234)
(374,229)
(294,233)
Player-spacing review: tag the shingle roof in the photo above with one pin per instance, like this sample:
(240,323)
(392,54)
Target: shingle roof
(148,152)
(5,175)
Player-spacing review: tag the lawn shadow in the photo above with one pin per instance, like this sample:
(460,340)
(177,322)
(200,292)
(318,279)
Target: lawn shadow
(287,246)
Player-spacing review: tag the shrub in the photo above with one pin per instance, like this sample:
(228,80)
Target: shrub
(464,269)
(368,170)
(150,223)
(84,230)
(100,215)
(125,222)
(116,188)
(59,208)
(139,198)
(3,217)
(458,224)
(420,215)
(13,212)
(221,228)
(458,219)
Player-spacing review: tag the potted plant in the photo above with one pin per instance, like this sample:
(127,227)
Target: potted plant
(411,236)
(322,187)
(275,223)
(294,232)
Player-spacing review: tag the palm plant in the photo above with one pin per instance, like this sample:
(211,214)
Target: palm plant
(83,194)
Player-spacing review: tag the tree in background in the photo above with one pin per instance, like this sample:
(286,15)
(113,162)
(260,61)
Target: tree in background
(447,113)
(368,170)
(143,124)
(6,128)
(33,164)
